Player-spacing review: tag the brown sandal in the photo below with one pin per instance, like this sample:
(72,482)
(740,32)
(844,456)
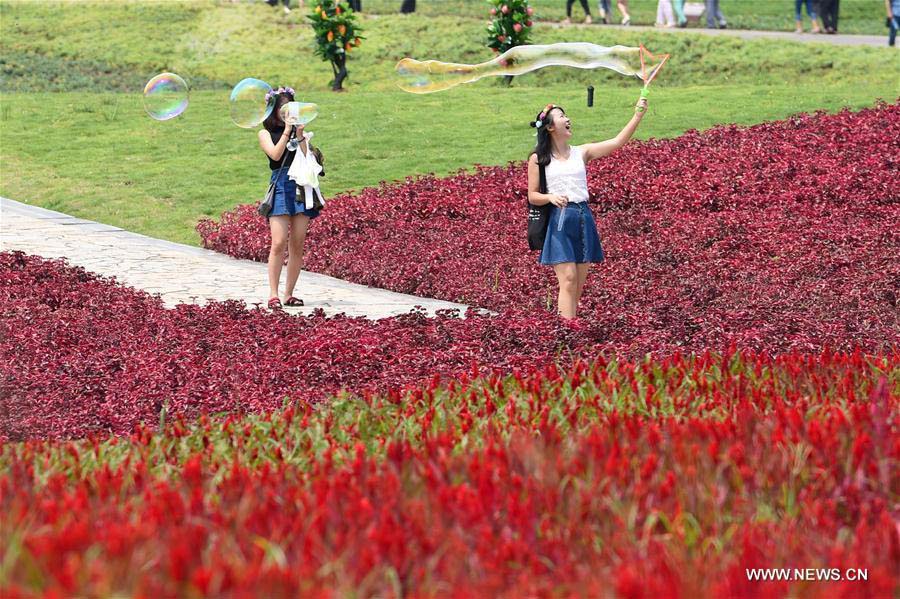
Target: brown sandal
(293,302)
(275,304)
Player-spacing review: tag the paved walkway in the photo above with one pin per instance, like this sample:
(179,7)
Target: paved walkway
(181,273)
(752,34)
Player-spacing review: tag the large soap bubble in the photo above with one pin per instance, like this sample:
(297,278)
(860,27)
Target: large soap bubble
(165,96)
(420,77)
(249,107)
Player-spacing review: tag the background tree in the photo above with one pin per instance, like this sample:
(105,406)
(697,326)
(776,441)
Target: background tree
(510,26)
(336,35)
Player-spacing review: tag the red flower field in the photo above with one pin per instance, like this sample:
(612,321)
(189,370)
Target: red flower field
(659,478)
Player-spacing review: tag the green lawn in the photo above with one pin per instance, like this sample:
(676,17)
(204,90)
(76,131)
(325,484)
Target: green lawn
(55,47)
(160,178)
(856,16)
(89,150)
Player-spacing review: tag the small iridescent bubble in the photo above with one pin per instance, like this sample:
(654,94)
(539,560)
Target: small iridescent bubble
(165,96)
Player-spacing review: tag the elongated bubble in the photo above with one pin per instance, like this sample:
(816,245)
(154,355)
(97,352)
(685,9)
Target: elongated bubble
(298,113)
(424,77)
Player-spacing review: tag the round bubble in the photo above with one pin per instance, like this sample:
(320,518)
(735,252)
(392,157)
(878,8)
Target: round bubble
(165,96)
(249,107)
(299,113)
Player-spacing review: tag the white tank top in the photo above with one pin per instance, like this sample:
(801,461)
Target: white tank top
(568,177)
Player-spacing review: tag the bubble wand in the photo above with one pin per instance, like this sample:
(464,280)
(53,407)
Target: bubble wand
(645,91)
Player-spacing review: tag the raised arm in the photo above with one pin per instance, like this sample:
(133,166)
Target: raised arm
(274,151)
(605,148)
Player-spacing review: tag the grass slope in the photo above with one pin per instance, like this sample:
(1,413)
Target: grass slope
(107,161)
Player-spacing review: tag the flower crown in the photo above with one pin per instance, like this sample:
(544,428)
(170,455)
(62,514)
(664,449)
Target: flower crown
(537,124)
(270,95)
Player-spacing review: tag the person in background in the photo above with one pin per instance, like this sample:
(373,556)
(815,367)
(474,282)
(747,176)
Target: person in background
(623,8)
(356,5)
(665,17)
(828,10)
(287,5)
(408,6)
(679,13)
(714,16)
(584,7)
(893,20)
(605,10)
(810,12)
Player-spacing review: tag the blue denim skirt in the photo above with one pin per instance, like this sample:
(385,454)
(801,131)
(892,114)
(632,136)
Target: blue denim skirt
(286,202)
(576,241)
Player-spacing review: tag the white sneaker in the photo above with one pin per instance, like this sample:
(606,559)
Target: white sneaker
(626,21)
(287,10)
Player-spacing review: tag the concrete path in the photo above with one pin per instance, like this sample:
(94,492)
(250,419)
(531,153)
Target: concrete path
(751,34)
(181,273)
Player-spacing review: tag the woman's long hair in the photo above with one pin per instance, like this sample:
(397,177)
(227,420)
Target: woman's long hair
(273,122)
(544,147)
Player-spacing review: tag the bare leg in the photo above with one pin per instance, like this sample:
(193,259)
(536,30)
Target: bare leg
(582,273)
(299,226)
(567,275)
(278,225)
(623,8)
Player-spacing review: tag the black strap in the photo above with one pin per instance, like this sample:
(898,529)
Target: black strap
(283,158)
(542,178)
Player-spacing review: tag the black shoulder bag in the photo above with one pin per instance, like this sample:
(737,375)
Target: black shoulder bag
(538,216)
(265,207)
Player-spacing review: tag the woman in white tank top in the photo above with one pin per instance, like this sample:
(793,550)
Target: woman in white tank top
(572,242)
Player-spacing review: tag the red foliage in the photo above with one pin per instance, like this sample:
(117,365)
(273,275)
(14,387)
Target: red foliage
(80,354)
(782,235)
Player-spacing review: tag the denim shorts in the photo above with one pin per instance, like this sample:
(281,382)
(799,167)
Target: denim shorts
(286,202)
(576,241)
